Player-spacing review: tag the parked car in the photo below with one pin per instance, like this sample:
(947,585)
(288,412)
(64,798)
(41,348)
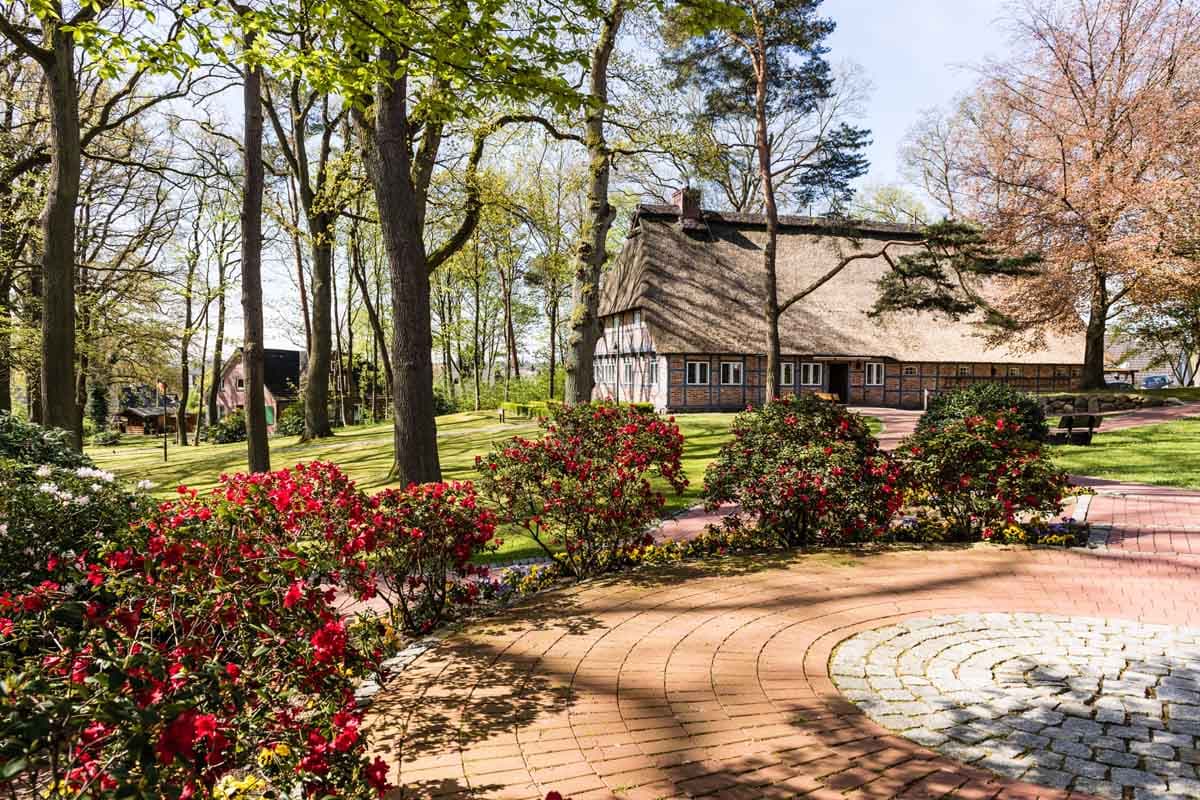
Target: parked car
(1156,382)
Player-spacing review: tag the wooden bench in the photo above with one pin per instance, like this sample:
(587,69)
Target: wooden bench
(1076,428)
(828,397)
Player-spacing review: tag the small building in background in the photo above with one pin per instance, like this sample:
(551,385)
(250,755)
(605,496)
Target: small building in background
(682,315)
(151,420)
(282,375)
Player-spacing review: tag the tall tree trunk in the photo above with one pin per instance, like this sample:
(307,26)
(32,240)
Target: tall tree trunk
(359,269)
(386,144)
(770,285)
(218,344)
(553,315)
(590,254)
(6,351)
(351,390)
(258,454)
(476,343)
(200,389)
(32,311)
(339,376)
(58,240)
(185,344)
(316,388)
(1093,353)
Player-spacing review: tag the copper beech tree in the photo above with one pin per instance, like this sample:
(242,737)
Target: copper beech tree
(1076,147)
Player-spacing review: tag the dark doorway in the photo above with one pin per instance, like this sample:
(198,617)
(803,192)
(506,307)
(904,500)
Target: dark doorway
(839,381)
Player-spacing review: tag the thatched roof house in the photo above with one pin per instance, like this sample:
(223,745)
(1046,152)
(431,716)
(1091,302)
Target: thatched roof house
(687,290)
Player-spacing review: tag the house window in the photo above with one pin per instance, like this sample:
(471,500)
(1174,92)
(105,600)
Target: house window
(611,368)
(731,373)
(651,371)
(611,324)
(1061,372)
(697,373)
(787,373)
(629,372)
(964,370)
(241,384)
(874,373)
(909,371)
(1076,372)
(637,316)
(810,374)
(1014,372)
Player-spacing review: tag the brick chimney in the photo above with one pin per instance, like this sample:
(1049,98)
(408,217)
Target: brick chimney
(687,200)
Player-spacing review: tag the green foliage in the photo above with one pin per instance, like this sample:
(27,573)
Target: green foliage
(291,421)
(722,47)
(442,403)
(980,474)
(106,438)
(230,428)
(985,398)
(45,511)
(583,490)
(939,275)
(30,443)
(98,406)
(807,471)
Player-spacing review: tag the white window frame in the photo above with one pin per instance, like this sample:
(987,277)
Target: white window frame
(652,371)
(701,366)
(637,316)
(811,373)
(965,371)
(1016,372)
(908,371)
(241,384)
(874,373)
(735,367)
(611,325)
(787,373)
(628,372)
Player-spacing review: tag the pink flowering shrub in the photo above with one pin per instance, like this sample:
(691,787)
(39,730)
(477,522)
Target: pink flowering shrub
(981,473)
(200,652)
(416,542)
(807,472)
(583,491)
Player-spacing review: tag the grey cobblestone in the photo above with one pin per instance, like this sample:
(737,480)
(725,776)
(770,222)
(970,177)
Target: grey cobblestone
(1109,708)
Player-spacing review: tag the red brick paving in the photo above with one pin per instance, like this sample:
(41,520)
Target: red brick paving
(711,680)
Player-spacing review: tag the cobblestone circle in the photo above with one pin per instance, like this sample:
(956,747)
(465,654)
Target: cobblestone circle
(1100,706)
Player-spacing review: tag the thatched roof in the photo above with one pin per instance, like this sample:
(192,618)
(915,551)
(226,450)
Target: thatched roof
(700,289)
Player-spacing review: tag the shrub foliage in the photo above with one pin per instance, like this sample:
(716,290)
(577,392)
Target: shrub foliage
(230,428)
(30,443)
(986,398)
(585,485)
(981,473)
(806,471)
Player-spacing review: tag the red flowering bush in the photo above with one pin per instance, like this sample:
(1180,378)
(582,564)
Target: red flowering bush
(583,491)
(808,472)
(980,473)
(201,655)
(415,542)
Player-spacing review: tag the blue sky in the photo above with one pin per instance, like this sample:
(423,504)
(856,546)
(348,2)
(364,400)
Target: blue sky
(917,54)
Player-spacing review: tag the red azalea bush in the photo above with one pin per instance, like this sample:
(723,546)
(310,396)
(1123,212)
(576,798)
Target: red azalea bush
(583,491)
(415,542)
(199,654)
(980,473)
(806,471)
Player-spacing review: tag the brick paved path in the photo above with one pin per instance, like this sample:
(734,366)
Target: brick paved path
(712,680)
(1144,519)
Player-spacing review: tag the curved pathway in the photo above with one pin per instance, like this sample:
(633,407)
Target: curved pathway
(713,680)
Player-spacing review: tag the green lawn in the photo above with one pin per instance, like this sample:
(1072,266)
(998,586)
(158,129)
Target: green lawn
(1166,455)
(365,453)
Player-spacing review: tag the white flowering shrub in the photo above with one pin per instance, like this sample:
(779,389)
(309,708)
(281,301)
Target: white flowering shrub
(46,510)
(32,444)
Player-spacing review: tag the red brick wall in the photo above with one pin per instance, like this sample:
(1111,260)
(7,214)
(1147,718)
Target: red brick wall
(898,389)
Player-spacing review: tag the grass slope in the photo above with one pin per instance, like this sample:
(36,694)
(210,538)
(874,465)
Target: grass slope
(1164,455)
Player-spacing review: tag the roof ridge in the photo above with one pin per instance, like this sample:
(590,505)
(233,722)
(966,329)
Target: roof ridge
(785,220)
